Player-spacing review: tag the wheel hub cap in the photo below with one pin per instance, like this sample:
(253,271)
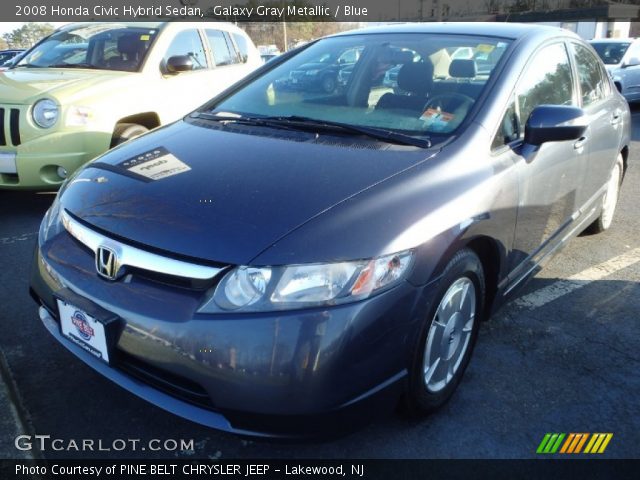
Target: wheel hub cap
(450,334)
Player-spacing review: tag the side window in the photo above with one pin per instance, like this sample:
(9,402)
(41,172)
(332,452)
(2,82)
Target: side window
(546,81)
(509,129)
(188,43)
(223,51)
(592,84)
(243,46)
(607,81)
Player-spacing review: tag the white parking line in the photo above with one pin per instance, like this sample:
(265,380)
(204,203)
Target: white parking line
(19,238)
(562,287)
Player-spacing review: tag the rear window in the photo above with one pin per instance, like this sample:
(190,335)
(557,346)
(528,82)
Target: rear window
(243,46)
(611,53)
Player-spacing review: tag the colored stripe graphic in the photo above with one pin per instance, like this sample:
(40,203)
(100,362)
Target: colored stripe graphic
(543,443)
(552,442)
(598,443)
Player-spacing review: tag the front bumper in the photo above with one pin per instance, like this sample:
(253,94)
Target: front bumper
(36,161)
(289,374)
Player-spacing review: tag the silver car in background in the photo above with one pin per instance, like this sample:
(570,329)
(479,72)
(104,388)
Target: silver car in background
(621,57)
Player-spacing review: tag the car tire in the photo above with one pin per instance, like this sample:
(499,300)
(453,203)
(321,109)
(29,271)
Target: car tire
(610,199)
(447,335)
(126,131)
(329,84)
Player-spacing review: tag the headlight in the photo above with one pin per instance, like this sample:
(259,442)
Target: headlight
(289,287)
(45,113)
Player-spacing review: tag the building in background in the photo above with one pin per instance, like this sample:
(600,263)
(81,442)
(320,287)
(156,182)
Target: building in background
(588,18)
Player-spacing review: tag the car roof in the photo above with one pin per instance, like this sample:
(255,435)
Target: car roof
(156,25)
(489,29)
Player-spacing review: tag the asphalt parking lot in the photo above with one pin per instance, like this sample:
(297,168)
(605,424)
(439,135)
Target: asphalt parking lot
(563,357)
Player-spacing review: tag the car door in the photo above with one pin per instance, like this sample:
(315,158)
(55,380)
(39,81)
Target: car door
(604,117)
(180,93)
(549,176)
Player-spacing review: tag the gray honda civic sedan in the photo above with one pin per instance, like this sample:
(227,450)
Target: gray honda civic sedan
(285,261)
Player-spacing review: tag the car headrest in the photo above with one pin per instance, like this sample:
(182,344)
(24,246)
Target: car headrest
(416,77)
(462,68)
(131,44)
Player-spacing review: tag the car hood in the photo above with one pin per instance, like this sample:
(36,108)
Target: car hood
(20,86)
(237,193)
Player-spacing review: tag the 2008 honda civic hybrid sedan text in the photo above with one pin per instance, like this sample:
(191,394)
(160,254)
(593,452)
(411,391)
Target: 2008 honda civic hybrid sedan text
(282,260)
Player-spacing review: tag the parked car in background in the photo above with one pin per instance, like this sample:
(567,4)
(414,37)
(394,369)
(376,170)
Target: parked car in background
(9,63)
(621,57)
(92,86)
(281,260)
(267,57)
(323,73)
(6,55)
(268,49)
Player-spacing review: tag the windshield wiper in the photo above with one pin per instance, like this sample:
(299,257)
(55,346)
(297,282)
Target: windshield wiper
(298,122)
(241,120)
(383,134)
(74,65)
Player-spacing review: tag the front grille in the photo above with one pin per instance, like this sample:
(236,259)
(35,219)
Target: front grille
(14,126)
(13,132)
(142,260)
(3,138)
(171,384)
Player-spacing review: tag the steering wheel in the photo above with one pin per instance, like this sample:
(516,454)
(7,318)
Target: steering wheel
(444,98)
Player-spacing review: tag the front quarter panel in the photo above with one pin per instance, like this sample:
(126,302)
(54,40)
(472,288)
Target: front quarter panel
(436,208)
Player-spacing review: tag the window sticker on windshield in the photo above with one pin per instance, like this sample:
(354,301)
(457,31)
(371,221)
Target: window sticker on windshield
(155,164)
(484,48)
(144,38)
(436,120)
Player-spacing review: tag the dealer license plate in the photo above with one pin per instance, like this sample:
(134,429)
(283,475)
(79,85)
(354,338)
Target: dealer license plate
(83,329)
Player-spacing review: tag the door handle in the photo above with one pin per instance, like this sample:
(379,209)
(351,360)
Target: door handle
(615,119)
(580,143)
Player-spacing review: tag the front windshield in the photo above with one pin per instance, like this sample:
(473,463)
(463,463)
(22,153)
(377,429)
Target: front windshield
(416,84)
(99,46)
(611,53)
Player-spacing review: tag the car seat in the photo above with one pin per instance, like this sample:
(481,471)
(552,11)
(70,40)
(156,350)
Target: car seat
(417,80)
(131,49)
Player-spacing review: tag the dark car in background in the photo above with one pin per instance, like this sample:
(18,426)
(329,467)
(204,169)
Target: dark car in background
(323,73)
(9,57)
(280,262)
(6,55)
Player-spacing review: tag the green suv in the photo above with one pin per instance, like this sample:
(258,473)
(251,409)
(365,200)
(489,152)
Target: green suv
(89,87)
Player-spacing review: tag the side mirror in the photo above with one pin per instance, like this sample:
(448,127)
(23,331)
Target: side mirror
(179,63)
(554,123)
(632,62)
